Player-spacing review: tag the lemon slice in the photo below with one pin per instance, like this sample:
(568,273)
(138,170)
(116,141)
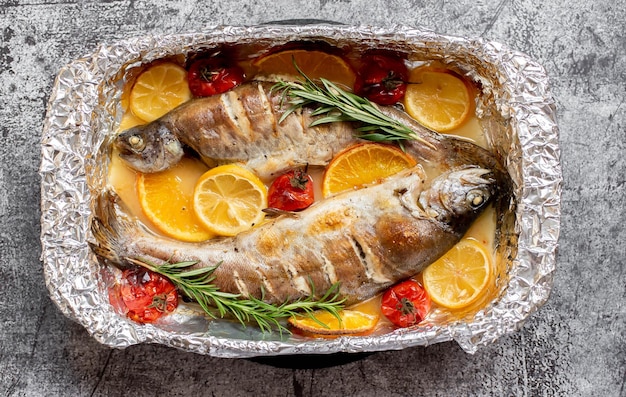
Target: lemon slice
(363,164)
(460,277)
(166,198)
(437,99)
(229,199)
(314,64)
(159,89)
(325,323)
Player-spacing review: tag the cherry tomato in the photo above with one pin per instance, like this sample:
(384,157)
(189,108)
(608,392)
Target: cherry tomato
(405,304)
(147,295)
(291,191)
(211,76)
(382,79)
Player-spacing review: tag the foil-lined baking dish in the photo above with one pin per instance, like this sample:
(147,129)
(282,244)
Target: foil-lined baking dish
(516,110)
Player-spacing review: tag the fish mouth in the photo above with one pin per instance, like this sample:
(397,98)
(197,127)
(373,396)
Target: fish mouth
(474,180)
(477,176)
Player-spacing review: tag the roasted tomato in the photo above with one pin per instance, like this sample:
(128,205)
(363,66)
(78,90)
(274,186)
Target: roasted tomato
(211,76)
(147,295)
(291,191)
(382,79)
(405,304)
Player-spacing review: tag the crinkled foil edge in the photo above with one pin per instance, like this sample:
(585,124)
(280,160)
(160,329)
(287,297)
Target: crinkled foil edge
(82,112)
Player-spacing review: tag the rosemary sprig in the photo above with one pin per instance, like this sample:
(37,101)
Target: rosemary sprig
(198,285)
(336,104)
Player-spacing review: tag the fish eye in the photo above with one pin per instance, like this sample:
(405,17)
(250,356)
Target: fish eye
(475,198)
(136,143)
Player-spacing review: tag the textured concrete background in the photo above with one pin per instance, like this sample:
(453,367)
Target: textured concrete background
(574,346)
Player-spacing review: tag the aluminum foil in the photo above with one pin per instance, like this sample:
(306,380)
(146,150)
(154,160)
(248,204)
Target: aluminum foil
(517,113)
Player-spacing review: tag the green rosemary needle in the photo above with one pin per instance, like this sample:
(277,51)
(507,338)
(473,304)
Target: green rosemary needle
(197,284)
(336,104)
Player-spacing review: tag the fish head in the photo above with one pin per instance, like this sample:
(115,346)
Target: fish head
(457,197)
(149,148)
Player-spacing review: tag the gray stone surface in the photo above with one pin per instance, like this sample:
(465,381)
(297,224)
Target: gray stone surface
(574,346)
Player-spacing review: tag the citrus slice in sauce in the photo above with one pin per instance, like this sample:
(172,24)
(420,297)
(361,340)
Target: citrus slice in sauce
(314,64)
(460,276)
(229,199)
(325,323)
(159,89)
(363,164)
(166,199)
(438,99)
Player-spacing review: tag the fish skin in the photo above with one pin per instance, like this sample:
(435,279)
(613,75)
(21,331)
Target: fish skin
(366,240)
(242,125)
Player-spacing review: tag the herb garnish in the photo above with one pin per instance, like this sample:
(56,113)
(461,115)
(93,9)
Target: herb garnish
(197,285)
(337,104)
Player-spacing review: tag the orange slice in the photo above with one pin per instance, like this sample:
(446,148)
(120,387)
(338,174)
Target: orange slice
(229,199)
(325,323)
(438,99)
(166,198)
(159,89)
(459,277)
(314,64)
(363,164)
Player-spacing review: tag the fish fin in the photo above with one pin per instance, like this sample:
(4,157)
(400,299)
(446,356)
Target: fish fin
(109,229)
(271,212)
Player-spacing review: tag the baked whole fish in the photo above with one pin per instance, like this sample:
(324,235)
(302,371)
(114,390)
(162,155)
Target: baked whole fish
(366,239)
(242,125)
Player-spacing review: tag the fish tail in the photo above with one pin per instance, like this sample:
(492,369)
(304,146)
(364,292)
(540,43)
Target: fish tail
(110,230)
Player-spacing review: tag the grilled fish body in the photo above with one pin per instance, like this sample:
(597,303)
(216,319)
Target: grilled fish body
(243,125)
(367,239)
